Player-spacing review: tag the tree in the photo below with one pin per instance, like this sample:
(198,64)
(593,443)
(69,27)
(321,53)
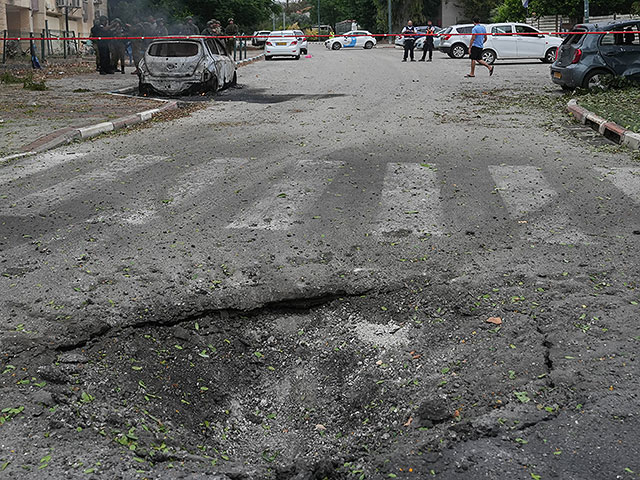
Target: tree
(510,11)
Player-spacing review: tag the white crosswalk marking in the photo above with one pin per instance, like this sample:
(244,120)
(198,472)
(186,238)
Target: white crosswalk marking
(44,200)
(410,199)
(34,165)
(187,186)
(523,188)
(532,201)
(627,179)
(287,199)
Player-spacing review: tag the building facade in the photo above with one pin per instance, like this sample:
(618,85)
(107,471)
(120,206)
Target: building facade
(19,17)
(451,12)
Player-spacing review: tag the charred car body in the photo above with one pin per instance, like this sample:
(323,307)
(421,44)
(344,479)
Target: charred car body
(186,66)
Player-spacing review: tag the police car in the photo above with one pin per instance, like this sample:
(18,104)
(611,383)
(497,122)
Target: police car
(352,39)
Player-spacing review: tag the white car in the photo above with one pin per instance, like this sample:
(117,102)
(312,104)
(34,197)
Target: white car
(302,39)
(186,65)
(454,40)
(518,40)
(352,39)
(282,43)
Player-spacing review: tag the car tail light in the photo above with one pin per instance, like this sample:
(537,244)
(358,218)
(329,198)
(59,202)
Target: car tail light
(269,43)
(557,54)
(447,37)
(577,56)
(295,42)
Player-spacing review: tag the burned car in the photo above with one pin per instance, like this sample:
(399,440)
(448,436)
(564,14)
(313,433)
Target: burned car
(186,66)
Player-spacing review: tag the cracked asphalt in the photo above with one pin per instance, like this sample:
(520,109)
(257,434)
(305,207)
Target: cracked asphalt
(296,282)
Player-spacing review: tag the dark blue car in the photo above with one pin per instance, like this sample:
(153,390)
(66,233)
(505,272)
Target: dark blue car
(594,53)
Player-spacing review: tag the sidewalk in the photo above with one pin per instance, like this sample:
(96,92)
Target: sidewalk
(73,99)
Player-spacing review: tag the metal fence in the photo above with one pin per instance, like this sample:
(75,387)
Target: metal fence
(43,45)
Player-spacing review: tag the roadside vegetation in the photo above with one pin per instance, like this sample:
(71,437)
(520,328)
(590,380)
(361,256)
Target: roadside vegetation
(616,105)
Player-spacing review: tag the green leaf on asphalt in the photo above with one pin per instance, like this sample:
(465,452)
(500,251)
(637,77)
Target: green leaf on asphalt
(522,396)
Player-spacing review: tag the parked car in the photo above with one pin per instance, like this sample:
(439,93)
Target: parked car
(259,38)
(585,59)
(454,40)
(436,40)
(518,40)
(283,43)
(421,30)
(352,39)
(186,65)
(302,40)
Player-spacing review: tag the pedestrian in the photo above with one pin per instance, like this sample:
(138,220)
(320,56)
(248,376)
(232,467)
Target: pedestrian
(191,28)
(161,29)
(408,33)
(116,45)
(94,42)
(231,31)
(476,44)
(209,29)
(427,46)
(100,32)
(137,44)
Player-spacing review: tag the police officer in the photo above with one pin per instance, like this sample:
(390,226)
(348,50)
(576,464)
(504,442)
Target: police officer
(427,46)
(408,33)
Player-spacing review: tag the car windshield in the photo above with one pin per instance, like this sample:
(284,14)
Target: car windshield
(173,49)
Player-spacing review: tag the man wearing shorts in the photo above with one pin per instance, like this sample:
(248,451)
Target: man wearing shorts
(476,44)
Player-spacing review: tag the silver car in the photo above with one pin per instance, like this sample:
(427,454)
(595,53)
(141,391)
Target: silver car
(185,66)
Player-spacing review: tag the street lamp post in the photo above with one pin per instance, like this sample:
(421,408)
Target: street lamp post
(389,20)
(586,11)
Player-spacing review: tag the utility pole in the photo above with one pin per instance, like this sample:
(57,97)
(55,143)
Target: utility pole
(586,11)
(389,20)
(318,19)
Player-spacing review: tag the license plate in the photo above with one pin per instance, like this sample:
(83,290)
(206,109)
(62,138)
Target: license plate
(557,75)
(281,43)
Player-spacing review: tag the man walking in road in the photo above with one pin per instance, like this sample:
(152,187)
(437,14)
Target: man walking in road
(476,45)
(427,46)
(408,33)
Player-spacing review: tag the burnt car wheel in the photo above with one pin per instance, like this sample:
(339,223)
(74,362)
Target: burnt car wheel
(597,80)
(211,86)
(144,89)
(336,46)
(458,51)
(234,80)
(550,56)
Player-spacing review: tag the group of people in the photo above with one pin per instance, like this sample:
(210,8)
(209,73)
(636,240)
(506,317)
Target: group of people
(476,44)
(112,48)
(411,34)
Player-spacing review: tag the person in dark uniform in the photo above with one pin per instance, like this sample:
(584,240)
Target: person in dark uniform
(117,45)
(408,33)
(161,29)
(191,28)
(208,30)
(96,25)
(99,31)
(427,46)
(231,30)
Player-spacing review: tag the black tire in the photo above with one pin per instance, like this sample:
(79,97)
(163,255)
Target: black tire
(450,55)
(459,50)
(593,80)
(368,45)
(567,88)
(489,56)
(211,88)
(336,46)
(550,56)
(267,58)
(303,51)
(297,57)
(234,80)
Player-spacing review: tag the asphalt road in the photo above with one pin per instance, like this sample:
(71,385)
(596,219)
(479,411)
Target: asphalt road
(345,174)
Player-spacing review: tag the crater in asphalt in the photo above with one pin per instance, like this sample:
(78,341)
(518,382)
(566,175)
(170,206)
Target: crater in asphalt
(327,386)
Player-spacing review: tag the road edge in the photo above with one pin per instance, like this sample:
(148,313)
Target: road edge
(68,135)
(606,128)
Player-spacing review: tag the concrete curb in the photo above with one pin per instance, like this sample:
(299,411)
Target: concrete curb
(610,130)
(68,135)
